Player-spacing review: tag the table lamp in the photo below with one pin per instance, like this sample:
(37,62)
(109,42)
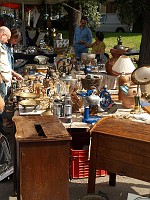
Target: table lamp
(123,65)
(123,68)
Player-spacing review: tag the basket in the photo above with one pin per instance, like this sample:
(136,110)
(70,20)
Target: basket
(80,165)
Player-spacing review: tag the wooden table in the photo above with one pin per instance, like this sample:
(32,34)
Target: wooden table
(42,161)
(120,146)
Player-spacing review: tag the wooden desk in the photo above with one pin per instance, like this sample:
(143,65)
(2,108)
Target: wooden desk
(120,146)
(42,162)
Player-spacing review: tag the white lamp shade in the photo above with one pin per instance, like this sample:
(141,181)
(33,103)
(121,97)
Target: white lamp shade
(123,65)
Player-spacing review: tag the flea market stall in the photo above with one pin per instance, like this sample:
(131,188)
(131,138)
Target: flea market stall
(75,92)
(63,95)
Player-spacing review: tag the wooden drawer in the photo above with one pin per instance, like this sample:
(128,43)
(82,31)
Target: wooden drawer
(123,168)
(123,144)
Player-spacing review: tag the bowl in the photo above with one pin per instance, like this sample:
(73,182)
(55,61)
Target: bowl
(42,60)
(91,56)
(84,56)
(88,56)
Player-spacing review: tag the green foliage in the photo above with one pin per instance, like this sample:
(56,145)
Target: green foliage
(90,9)
(129,10)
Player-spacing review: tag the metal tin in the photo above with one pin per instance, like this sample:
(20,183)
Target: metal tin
(58,109)
(68,111)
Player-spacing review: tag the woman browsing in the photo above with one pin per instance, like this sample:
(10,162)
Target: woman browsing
(98,47)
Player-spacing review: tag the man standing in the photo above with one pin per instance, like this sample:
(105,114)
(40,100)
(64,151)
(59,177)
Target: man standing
(6,71)
(82,35)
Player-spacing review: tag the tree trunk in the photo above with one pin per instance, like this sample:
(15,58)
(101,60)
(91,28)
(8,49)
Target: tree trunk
(144,57)
(74,18)
(138,25)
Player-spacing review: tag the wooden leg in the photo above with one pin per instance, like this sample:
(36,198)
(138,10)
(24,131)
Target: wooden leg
(91,181)
(112,179)
(92,170)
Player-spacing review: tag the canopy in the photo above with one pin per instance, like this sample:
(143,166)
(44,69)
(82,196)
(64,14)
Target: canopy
(33,2)
(10,5)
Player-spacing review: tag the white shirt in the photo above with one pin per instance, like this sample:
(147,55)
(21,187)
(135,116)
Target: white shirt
(5,68)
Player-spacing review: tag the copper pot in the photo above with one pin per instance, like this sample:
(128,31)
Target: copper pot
(116,53)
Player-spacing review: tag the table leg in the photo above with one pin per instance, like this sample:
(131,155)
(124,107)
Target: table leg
(112,179)
(92,170)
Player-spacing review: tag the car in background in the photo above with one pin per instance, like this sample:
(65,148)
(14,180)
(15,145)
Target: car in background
(109,22)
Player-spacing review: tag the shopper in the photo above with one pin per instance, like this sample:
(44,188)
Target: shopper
(6,71)
(82,35)
(98,47)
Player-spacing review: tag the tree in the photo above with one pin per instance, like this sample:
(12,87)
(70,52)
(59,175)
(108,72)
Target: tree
(144,57)
(77,8)
(129,11)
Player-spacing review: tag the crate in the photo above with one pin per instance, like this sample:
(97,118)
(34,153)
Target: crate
(80,165)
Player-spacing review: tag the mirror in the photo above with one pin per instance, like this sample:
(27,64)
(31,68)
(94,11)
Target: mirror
(141,75)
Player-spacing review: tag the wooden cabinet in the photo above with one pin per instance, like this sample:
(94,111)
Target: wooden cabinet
(120,146)
(42,162)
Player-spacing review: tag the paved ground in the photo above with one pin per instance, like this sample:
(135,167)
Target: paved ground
(78,188)
(124,186)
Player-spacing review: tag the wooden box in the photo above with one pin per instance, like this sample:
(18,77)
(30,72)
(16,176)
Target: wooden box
(42,158)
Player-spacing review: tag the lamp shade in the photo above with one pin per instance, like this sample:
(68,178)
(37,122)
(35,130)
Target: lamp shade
(123,65)
(141,75)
